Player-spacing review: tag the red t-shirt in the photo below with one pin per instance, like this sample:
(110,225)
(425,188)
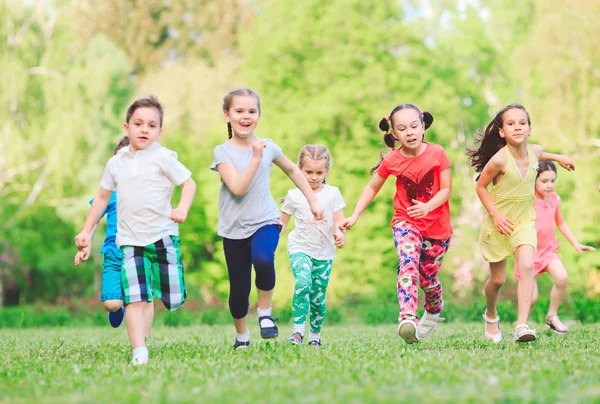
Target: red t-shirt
(419,178)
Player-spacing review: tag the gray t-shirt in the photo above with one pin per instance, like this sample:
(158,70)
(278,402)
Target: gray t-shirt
(240,218)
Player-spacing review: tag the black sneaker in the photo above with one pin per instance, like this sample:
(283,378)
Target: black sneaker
(268,332)
(240,345)
(315,343)
(296,338)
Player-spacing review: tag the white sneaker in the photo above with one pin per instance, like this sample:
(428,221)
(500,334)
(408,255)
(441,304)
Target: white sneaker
(428,323)
(139,360)
(407,330)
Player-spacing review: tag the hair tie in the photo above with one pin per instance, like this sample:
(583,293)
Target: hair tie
(388,132)
(387,118)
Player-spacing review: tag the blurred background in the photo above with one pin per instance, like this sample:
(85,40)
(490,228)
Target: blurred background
(327,72)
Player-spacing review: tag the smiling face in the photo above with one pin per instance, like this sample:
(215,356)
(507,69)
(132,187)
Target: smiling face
(544,184)
(143,128)
(408,128)
(515,127)
(243,115)
(315,172)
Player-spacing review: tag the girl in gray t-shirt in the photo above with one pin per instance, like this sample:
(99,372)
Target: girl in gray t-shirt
(248,216)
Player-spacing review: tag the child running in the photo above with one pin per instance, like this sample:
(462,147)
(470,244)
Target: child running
(144,175)
(249,217)
(421,222)
(548,211)
(312,243)
(505,159)
(112,295)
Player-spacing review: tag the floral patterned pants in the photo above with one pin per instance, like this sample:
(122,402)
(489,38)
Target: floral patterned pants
(420,256)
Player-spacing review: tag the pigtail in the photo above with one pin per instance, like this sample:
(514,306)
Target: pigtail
(385,125)
(229,130)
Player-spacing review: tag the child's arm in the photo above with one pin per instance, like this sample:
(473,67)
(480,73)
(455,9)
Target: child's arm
(564,229)
(421,209)
(492,169)
(564,161)
(285,219)
(366,197)
(338,235)
(83,239)
(238,183)
(292,171)
(188,190)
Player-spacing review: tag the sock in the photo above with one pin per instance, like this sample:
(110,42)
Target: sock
(245,337)
(299,328)
(314,336)
(265,322)
(140,352)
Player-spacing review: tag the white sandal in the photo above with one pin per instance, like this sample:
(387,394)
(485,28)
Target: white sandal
(524,334)
(494,338)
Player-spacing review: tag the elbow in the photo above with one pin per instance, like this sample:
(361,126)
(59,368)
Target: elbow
(238,193)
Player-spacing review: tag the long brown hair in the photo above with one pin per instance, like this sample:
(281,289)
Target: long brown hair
(227,103)
(387,124)
(490,140)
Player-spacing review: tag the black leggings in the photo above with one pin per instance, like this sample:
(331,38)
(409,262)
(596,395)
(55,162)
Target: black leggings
(258,249)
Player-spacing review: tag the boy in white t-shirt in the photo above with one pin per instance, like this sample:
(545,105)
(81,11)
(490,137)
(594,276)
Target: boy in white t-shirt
(144,175)
(311,245)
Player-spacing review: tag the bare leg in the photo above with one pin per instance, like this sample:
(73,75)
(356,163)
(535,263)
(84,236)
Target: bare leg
(113,305)
(559,274)
(241,324)
(524,256)
(264,298)
(535,295)
(136,324)
(148,318)
(492,290)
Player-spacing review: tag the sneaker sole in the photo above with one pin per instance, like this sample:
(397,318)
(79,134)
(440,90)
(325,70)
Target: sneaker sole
(526,338)
(408,332)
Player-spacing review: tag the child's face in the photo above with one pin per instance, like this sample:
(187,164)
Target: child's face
(315,172)
(243,115)
(545,182)
(408,128)
(515,127)
(143,129)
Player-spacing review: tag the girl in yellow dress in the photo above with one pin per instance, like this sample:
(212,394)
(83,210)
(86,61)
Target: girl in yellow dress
(505,159)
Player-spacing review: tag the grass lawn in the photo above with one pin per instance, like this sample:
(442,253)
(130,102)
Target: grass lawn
(356,364)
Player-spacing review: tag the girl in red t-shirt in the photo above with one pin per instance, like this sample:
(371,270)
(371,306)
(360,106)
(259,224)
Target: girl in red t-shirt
(421,221)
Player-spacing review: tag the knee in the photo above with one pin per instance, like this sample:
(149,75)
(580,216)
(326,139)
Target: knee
(304,284)
(238,308)
(112,305)
(497,282)
(263,262)
(562,280)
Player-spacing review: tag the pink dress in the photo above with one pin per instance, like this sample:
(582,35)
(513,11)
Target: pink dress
(547,245)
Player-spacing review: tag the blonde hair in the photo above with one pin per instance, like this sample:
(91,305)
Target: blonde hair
(314,152)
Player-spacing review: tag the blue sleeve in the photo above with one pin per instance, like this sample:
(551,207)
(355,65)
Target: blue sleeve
(112,201)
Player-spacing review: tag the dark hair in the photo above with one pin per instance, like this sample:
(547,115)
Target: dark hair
(227,103)
(490,140)
(546,165)
(149,102)
(387,124)
(124,142)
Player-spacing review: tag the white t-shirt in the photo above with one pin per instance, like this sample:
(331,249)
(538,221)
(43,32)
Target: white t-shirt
(144,183)
(312,237)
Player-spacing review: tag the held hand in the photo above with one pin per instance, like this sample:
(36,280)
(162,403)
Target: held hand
(339,240)
(580,248)
(82,255)
(503,224)
(178,215)
(348,223)
(258,146)
(566,163)
(317,209)
(82,240)
(419,210)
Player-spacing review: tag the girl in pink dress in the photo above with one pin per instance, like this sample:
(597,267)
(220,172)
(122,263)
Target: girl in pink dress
(548,212)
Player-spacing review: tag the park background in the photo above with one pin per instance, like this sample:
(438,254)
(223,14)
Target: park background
(326,71)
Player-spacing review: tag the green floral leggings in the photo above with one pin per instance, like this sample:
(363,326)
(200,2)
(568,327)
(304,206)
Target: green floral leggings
(312,278)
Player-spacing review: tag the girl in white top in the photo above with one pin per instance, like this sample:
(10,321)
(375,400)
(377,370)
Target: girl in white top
(311,245)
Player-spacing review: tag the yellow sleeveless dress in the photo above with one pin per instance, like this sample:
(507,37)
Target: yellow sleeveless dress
(514,197)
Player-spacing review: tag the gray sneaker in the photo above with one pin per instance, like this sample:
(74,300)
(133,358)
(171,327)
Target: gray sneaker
(428,323)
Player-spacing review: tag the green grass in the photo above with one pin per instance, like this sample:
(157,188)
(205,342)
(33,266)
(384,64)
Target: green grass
(356,364)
